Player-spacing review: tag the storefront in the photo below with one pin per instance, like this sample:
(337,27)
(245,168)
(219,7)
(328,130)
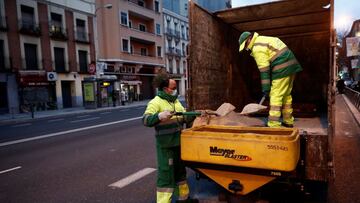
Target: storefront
(36,90)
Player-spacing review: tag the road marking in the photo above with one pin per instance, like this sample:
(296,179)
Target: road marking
(105,113)
(11,169)
(132,178)
(86,119)
(21,125)
(66,132)
(55,120)
(83,116)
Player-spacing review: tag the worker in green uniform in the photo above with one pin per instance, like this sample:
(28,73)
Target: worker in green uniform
(278,66)
(159,113)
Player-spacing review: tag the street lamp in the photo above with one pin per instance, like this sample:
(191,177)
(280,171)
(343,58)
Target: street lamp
(107,6)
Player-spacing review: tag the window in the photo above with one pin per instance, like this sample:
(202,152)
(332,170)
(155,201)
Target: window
(81,30)
(143,52)
(125,45)
(56,23)
(141,3)
(183,49)
(59,59)
(2,57)
(83,62)
(159,51)
(142,27)
(28,17)
(130,24)
(131,49)
(124,18)
(31,61)
(157,9)
(158,29)
(178,66)
(56,19)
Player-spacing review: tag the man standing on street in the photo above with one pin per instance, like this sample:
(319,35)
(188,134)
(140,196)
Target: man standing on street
(171,170)
(278,66)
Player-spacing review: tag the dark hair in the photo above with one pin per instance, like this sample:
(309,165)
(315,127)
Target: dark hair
(164,83)
(161,80)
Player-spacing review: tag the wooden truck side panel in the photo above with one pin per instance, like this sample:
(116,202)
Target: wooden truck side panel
(218,73)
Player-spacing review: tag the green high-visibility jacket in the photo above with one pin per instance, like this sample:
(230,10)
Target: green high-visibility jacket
(167,132)
(273,59)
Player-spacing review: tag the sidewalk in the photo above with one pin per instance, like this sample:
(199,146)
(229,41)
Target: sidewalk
(345,185)
(22,117)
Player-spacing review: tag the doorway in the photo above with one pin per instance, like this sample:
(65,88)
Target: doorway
(66,94)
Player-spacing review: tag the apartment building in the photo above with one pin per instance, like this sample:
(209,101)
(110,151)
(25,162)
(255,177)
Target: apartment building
(131,44)
(176,31)
(46,49)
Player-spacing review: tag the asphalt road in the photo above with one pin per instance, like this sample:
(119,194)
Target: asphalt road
(106,156)
(75,158)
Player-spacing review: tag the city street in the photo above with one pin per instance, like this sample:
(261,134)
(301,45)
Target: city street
(76,158)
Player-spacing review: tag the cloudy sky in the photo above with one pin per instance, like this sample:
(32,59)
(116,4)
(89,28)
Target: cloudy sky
(346,11)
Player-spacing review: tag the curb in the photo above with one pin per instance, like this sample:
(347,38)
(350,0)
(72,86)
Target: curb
(60,114)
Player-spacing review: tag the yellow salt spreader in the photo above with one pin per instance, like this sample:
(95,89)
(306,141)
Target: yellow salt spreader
(241,159)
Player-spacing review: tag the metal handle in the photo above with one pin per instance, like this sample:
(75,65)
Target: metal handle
(262,100)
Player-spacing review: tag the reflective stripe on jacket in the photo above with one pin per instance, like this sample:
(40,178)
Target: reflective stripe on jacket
(273,59)
(167,132)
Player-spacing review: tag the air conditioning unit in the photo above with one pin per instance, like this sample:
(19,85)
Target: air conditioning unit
(51,76)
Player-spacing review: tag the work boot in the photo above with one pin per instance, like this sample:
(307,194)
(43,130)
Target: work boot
(287,125)
(189,200)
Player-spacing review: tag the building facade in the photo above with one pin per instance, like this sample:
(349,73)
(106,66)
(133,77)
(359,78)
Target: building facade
(176,31)
(45,50)
(213,6)
(352,48)
(131,44)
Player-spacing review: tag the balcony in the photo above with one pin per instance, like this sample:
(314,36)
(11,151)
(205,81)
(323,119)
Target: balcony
(29,28)
(62,69)
(3,23)
(172,33)
(82,37)
(31,64)
(143,11)
(172,51)
(57,32)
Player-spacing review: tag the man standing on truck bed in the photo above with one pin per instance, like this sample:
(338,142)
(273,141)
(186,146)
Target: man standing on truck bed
(159,113)
(277,65)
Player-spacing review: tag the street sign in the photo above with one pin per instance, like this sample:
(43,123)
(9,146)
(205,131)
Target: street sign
(92,68)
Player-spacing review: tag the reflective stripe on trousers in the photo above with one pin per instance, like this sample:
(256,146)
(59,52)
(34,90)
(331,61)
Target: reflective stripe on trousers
(280,98)
(163,197)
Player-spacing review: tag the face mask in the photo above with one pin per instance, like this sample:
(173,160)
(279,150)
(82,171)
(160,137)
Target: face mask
(174,93)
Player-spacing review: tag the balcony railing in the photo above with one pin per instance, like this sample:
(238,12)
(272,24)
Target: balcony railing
(139,5)
(3,23)
(31,64)
(138,30)
(353,96)
(81,36)
(142,54)
(83,68)
(173,51)
(29,27)
(172,32)
(63,69)
(57,32)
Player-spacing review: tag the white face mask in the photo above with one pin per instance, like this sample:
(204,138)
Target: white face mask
(174,93)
